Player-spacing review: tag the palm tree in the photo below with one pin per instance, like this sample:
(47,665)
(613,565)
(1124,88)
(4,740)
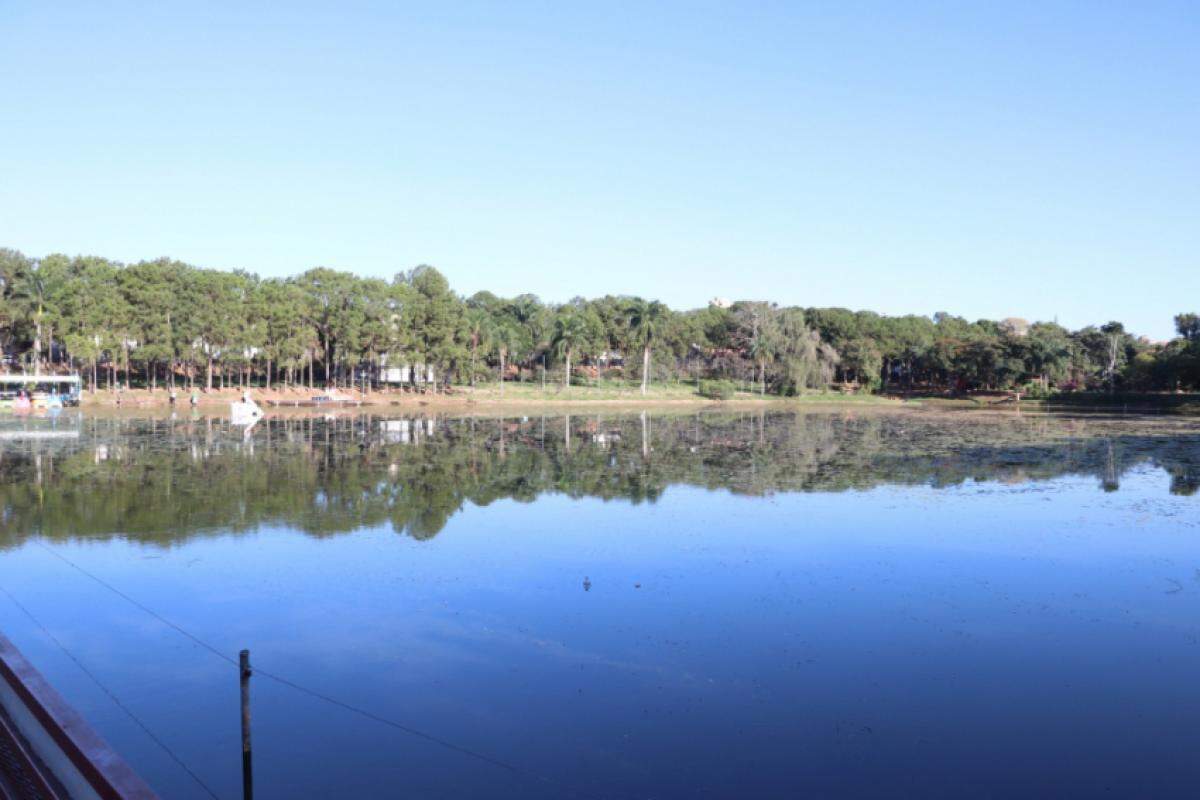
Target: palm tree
(532,317)
(646,320)
(480,327)
(762,350)
(569,333)
(506,338)
(29,295)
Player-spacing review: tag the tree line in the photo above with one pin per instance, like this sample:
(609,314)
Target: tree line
(164,322)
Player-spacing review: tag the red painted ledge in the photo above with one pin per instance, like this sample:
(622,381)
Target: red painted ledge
(104,772)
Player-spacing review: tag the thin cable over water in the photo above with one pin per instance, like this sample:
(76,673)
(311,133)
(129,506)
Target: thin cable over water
(512,768)
(198,641)
(112,696)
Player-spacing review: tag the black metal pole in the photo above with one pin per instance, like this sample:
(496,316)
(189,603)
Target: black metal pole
(247,771)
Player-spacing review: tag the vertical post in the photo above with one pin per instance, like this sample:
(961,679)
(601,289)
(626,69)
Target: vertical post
(247,772)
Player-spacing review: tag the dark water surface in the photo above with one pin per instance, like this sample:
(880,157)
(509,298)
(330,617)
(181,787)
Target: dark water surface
(624,605)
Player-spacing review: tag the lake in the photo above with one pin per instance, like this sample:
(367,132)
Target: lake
(619,605)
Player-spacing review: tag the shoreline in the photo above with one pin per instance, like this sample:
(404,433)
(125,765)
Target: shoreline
(467,398)
(525,397)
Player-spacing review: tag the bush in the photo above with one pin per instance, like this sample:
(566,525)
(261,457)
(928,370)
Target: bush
(1035,391)
(717,390)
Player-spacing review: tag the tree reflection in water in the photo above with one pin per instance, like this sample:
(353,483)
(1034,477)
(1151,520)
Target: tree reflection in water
(167,479)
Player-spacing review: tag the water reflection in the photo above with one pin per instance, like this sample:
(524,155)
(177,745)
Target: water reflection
(738,622)
(167,479)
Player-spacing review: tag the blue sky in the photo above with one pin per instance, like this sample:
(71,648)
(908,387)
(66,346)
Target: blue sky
(988,159)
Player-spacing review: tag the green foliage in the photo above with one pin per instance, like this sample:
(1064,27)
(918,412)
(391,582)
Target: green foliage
(1035,390)
(1188,326)
(165,321)
(570,334)
(718,390)
(862,359)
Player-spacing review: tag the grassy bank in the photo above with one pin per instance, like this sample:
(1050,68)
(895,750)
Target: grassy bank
(514,394)
(659,394)
(614,393)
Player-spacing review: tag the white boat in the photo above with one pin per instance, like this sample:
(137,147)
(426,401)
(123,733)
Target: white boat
(246,412)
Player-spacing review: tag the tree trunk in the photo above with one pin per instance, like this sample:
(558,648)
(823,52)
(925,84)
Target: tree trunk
(37,344)
(567,372)
(502,372)
(645,368)
(209,382)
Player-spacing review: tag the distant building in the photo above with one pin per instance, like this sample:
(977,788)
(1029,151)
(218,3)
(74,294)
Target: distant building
(1015,326)
(610,358)
(401,374)
(420,373)
(719,302)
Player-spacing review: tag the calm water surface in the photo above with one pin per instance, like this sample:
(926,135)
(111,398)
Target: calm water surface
(622,606)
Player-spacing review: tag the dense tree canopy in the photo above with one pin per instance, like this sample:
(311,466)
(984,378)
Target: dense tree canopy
(165,322)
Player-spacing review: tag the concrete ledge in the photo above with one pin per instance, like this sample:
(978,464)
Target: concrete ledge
(83,763)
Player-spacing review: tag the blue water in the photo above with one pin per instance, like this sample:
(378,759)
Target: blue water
(1000,637)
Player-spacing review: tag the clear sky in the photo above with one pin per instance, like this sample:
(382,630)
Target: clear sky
(989,159)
